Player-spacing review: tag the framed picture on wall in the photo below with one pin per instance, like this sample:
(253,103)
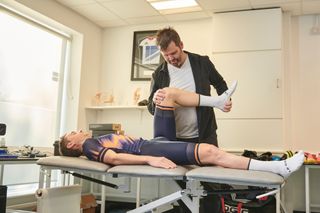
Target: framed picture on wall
(146,56)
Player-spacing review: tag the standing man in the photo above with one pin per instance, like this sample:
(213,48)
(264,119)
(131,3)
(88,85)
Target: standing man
(194,73)
(190,72)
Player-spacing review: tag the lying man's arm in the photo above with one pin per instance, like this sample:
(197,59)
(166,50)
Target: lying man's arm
(114,158)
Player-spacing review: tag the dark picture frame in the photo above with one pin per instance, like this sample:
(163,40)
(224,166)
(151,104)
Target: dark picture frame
(3,129)
(146,56)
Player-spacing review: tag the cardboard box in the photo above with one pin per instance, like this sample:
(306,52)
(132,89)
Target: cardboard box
(88,203)
(105,126)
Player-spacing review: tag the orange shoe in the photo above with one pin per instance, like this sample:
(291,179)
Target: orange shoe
(310,158)
(318,158)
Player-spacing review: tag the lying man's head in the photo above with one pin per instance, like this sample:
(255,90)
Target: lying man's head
(71,143)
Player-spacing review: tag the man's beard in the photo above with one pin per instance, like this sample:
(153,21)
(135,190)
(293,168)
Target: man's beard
(176,63)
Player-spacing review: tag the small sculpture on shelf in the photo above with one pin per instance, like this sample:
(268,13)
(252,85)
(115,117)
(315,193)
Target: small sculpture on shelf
(136,96)
(103,99)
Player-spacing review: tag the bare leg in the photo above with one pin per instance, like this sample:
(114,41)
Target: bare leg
(212,155)
(176,97)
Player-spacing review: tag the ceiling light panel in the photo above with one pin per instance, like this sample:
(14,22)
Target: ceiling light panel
(172,4)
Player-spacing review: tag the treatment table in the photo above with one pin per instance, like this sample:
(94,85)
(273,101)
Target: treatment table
(193,175)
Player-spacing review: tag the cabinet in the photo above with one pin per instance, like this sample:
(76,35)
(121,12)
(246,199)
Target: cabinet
(252,30)
(247,47)
(259,91)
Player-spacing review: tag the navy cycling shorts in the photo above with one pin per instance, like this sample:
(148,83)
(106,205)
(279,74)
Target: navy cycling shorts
(181,153)
(164,123)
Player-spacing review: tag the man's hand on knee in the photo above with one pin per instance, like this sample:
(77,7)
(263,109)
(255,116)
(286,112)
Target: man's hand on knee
(159,96)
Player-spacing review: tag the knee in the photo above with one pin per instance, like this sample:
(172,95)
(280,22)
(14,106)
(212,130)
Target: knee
(170,93)
(209,150)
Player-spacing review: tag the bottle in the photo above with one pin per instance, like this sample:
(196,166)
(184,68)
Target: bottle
(2,142)
(3,148)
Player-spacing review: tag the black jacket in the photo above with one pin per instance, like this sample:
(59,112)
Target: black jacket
(205,74)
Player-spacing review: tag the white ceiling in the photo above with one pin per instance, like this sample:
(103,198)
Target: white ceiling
(110,13)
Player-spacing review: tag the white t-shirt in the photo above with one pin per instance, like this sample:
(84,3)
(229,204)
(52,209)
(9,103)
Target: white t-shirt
(186,117)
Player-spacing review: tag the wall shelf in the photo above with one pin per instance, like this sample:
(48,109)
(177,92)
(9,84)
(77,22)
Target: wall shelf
(99,111)
(116,107)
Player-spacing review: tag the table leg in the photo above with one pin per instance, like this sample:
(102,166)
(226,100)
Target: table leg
(307,186)
(103,195)
(138,192)
(278,202)
(1,173)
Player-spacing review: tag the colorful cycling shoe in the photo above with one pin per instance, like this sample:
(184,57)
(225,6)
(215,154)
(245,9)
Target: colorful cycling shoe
(310,158)
(287,154)
(318,158)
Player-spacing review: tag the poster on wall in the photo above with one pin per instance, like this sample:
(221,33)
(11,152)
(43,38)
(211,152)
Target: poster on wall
(146,56)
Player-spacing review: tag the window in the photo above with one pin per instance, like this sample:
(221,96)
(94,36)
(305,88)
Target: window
(32,62)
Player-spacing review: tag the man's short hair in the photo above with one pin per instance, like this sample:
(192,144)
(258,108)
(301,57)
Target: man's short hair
(65,151)
(165,36)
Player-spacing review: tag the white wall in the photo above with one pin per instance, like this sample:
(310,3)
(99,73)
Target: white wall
(305,86)
(302,105)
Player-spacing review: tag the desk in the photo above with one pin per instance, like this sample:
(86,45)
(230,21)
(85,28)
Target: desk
(307,185)
(6,161)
